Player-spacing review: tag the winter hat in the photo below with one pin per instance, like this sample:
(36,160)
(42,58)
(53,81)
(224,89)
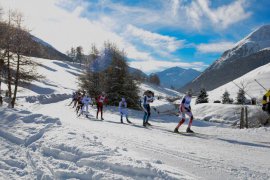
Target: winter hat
(189,92)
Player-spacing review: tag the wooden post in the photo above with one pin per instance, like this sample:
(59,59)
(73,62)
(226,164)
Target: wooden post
(242,118)
(246,117)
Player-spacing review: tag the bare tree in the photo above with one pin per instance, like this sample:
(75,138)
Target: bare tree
(24,68)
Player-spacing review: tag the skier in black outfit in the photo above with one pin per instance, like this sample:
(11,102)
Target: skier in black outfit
(147,99)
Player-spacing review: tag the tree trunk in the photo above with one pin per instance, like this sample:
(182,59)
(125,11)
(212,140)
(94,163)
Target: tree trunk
(9,75)
(246,117)
(242,118)
(16,82)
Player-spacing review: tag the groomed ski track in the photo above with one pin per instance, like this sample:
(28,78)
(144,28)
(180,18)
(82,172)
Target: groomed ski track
(216,152)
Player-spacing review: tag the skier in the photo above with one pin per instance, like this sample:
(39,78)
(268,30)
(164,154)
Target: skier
(185,108)
(100,101)
(85,103)
(79,103)
(74,97)
(123,110)
(266,102)
(147,99)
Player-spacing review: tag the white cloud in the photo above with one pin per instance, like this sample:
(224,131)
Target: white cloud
(220,17)
(215,47)
(155,65)
(157,41)
(65,27)
(175,7)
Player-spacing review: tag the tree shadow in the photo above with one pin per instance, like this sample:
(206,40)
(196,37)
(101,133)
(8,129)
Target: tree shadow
(40,90)
(244,143)
(48,68)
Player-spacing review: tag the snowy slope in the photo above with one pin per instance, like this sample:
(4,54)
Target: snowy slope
(261,74)
(48,141)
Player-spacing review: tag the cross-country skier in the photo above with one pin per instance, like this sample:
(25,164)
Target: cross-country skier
(147,99)
(185,109)
(123,110)
(100,101)
(74,97)
(266,102)
(86,100)
(79,103)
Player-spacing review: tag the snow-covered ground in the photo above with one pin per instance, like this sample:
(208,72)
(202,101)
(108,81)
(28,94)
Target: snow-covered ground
(43,139)
(253,89)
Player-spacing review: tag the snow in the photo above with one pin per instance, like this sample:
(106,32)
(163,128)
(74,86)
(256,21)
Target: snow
(253,89)
(43,138)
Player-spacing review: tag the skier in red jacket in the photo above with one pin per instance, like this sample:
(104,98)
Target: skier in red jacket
(100,101)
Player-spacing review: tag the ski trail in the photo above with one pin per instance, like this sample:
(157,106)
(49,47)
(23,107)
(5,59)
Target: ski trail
(190,154)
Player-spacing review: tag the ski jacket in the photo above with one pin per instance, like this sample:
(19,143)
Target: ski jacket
(74,95)
(101,99)
(185,103)
(147,99)
(122,105)
(86,100)
(266,98)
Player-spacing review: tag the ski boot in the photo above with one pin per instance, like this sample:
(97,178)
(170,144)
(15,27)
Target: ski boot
(147,123)
(102,118)
(189,130)
(121,120)
(176,130)
(144,124)
(129,121)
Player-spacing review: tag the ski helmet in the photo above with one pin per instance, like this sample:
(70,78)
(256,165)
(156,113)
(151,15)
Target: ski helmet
(189,92)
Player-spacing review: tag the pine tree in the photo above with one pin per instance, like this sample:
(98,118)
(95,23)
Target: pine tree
(154,79)
(202,97)
(115,80)
(79,54)
(226,98)
(241,99)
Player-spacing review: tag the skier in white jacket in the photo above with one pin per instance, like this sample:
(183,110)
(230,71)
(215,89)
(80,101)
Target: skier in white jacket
(123,109)
(86,102)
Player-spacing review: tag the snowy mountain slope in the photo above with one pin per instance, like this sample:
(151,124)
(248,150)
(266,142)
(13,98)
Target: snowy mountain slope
(258,40)
(40,48)
(248,54)
(48,141)
(261,74)
(176,77)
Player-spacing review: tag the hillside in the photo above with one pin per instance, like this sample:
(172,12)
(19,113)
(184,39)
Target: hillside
(40,48)
(253,89)
(248,54)
(44,139)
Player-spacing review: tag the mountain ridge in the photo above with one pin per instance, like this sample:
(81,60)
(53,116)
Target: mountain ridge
(248,54)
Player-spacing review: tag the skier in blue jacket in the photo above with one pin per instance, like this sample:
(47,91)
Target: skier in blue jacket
(147,99)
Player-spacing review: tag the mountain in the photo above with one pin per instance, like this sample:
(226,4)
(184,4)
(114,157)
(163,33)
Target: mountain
(44,50)
(177,77)
(250,53)
(39,48)
(136,73)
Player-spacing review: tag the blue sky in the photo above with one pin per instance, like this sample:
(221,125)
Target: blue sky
(156,34)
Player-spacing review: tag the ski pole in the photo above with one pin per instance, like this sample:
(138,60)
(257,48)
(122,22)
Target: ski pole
(260,85)
(242,89)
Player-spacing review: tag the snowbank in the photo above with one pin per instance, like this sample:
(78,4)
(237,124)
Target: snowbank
(227,113)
